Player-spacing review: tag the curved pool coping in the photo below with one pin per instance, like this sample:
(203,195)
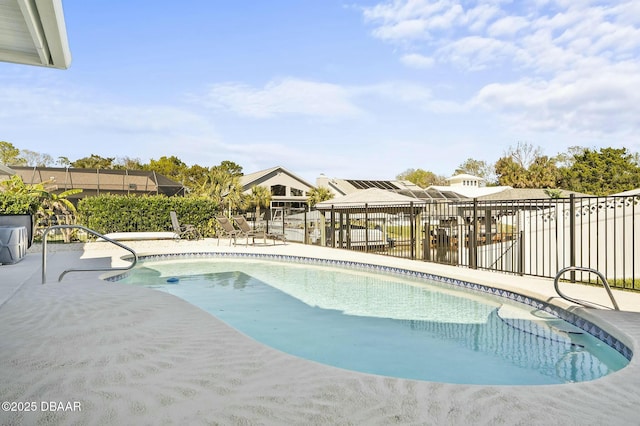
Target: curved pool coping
(132,354)
(570,317)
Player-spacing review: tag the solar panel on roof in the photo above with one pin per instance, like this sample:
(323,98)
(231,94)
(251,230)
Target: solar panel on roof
(451,195)
(366,184)
(422,194)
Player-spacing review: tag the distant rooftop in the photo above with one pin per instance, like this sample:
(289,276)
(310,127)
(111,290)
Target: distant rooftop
(98,181)
(342,187)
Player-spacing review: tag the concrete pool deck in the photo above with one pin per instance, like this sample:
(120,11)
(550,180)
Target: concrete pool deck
(115,354)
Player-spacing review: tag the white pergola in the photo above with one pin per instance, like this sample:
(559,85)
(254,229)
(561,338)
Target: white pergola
(33,32)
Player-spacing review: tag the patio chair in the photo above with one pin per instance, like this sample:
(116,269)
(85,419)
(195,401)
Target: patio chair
(225,228)
(183,230)
(247,232)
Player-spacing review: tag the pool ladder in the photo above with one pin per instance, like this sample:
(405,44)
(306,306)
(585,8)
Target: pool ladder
(92,232)
(605,283)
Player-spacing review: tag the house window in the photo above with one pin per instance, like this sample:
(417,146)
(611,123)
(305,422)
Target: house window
(297,192)
(279,190)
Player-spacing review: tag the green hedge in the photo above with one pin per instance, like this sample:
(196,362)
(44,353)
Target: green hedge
(11,203)
(117,213)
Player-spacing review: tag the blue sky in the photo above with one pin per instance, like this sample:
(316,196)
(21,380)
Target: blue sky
(351,89)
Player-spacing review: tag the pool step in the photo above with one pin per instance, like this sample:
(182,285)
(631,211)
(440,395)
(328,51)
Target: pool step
(538,323)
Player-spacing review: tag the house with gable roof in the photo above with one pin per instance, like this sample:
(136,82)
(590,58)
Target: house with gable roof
(288,192)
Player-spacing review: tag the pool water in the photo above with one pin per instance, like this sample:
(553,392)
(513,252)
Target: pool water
(385,324)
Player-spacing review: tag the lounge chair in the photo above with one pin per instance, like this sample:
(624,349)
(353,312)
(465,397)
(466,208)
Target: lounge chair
(183,230)
(226,229)
(247,232)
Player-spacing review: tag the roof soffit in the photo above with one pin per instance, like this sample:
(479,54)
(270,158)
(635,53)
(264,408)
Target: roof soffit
(33,32)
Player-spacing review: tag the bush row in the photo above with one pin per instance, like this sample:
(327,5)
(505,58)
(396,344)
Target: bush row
(117,213)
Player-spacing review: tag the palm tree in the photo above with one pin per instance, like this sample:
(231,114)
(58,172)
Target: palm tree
(223,188)
(51,204)
(319,194)
(260,197)
(16,185)
(553,192)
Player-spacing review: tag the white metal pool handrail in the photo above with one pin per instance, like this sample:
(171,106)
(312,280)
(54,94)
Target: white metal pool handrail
(90,231)
(605,283)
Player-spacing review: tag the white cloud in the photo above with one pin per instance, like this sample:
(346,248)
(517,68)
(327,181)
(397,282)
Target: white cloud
(413,28)
(59,107)
(597,104)
(397,91)
(546,64)
(401,10)
(298,97)
(476,53)
(477,19)
(415,60)
(576,29)
(507,26)
(288,96)
(412,18)
(62,121)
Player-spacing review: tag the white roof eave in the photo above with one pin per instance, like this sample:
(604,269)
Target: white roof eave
(34,33)
(4,170)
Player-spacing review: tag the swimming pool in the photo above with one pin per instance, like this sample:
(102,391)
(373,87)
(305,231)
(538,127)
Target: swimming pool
(383,321)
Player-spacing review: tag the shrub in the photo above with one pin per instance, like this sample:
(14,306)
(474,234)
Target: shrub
(11,203)
(128,213)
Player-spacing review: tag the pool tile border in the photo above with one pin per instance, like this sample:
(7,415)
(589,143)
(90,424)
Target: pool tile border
(571,318)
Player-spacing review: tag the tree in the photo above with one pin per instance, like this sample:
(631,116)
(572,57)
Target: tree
(603,172)
(63,161)
(10,155)
(223,187)
(553,193)
(36,159)
(171,167)
(523,154)
(422,178)
(58,206)
(50,203)
(15,185)
(511,173)
(566,159)
(543,173)
(525,167)
(230,167)
(478,168)
(53,204)
(128,163)
(194,178)
(94,162)
(260,197)
(318,195)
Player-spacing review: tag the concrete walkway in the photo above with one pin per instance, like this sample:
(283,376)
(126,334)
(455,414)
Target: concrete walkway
(134,355)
